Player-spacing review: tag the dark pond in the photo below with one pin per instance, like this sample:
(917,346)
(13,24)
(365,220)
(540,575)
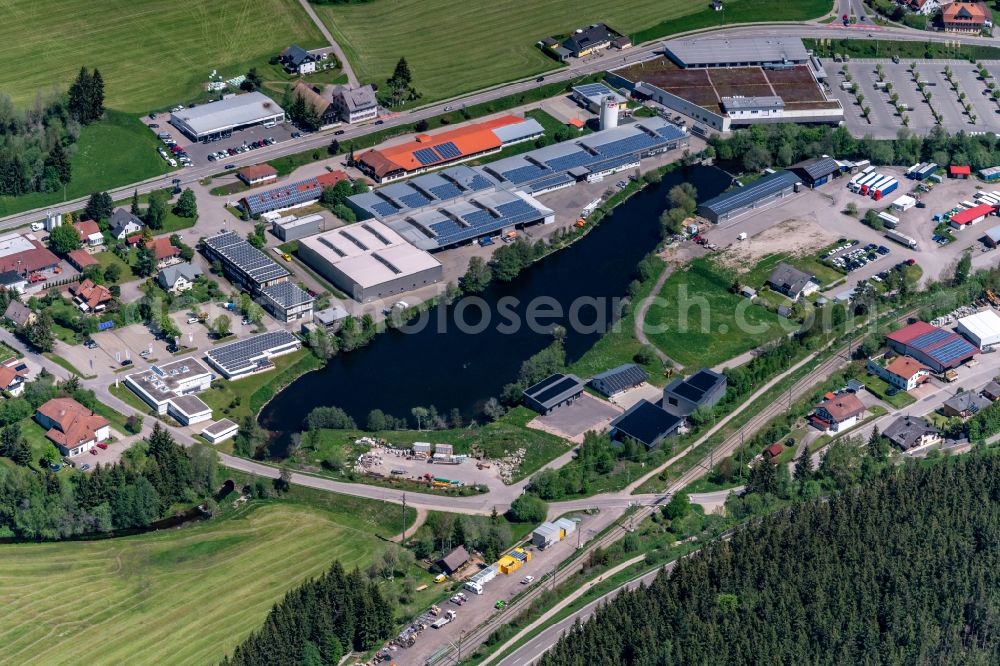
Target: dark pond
(443,363)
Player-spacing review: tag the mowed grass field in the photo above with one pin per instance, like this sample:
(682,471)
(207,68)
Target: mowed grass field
(152,53)
(183,596)
(455,47)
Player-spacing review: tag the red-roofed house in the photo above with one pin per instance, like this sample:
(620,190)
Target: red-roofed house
(839,413)
(966,17)
(71,426)
(959,171)
(970,216)
(773,452)
(80,259)
(11,380)
(258,174)
(935,347)
(90,297)
(166,253)
(90,233)
(903,372)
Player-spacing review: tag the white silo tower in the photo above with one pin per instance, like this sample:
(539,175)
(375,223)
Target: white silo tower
(609,113)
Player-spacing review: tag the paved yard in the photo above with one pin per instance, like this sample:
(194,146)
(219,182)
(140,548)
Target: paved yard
(572,421)
(644,390)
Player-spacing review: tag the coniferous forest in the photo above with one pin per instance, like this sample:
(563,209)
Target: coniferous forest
(320,621)
(903,570)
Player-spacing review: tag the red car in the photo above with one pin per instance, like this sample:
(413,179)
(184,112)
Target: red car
(102,445)
(93,452)
(911,262)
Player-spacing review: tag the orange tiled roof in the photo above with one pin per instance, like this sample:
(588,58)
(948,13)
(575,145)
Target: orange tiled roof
(905,367)
(7,377)
(964,12)
(86,228)
(163,248)
(91,294)
(75,423)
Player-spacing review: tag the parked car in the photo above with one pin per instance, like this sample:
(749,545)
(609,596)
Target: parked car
(85,466)
(102,445)
(230,166)
(127,362)
(154,126)
(539,79)
(94,452)
(338,132)
(296,135)
(527,580)
(380,122)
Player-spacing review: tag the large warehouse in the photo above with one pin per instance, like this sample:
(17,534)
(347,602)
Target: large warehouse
(981,329)
(291,195)
(731,82)
(426,151)
(217,120)
(936,348)
(740,201)
(250,355)
(369,261)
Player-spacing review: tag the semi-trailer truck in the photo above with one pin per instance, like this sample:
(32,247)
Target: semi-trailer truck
(901,238)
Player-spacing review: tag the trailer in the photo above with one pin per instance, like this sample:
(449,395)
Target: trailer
(926,171)
(885,188)
(869,188)
(913,169)
(890,221)
(901,238)
(862,185)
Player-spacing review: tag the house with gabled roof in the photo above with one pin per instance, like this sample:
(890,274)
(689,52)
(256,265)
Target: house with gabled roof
(73,428)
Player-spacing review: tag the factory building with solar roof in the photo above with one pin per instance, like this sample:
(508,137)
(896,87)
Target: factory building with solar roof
(461,203)
(263,278)
(935,347)
(251,355)
(742,200)
(553,392)
(369,261)
(704,388)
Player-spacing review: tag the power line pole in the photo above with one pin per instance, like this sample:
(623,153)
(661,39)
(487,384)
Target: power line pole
(403,540)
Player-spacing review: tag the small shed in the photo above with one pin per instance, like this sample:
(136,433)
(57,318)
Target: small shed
(454,560)
(748,292)
(773,451)
(545,535)
(566,525)
(960,171)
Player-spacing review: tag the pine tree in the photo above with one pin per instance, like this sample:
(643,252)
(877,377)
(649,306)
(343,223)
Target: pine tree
(877,448)
(79,91)
(96,97)
(803,466)
(59,160)
(401,76)
(134,209)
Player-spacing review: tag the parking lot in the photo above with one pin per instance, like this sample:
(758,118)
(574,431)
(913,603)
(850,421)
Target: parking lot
(884,120)
(199,152)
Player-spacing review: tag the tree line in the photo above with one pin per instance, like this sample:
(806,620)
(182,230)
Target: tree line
(36,143)
(137,491)
(898,571)
(318,622)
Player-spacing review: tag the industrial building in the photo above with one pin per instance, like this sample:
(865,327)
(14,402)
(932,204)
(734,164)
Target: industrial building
(170,389)
(553,392)
(291,195)
(220,431)
(426,151)
(291,228)
(936,348)
(217,120)
(817,171)
(683,396)
(25,254)
(251,355)
(369,261)
(732,82)
(262,277)
(258,174)
(981,329)
(592,95)
(646,423)
(732,204)
(618,380)
(736,52)
(552,532)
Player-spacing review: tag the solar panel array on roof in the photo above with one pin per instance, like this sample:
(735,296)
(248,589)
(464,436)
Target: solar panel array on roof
(553,181)
(952,351)
(426,156)
(245,258)
(446,191)
(745,196)
(287,294)
(285,196)
(616,380)
(448,150)
(927,339)
(248,352)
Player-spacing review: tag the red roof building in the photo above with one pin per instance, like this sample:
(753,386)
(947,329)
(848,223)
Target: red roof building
(91,297)
(971,216)
(966,17)
(838,413)
(935,347)
(164,250)
(71,426)
(428,151)
(33,258)
(959,171)
(80,259)
(774,451)
(258,174)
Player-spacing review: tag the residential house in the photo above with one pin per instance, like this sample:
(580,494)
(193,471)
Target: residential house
(904,372)
(354,105)
(19,314)
(910,433)
(90,297)
(838,412)
(585,41)
(123,224)
(704,388)
(925,7)
(321,104)
(90,234)
(13,281)
(80,259)
(179,277)
(791,282)
(11,380)
(966,17)
(454,560)
(991,391)
(296,60)
(258,174)
(73,428)
(165,251)
(964,405)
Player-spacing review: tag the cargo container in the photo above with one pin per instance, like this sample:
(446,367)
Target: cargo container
(862,185)
(913,169)
(889,221)
(968,204)
(885,189)
(901,238)
(869,188)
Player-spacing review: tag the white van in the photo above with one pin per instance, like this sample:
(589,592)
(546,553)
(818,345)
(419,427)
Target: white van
(37,226)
